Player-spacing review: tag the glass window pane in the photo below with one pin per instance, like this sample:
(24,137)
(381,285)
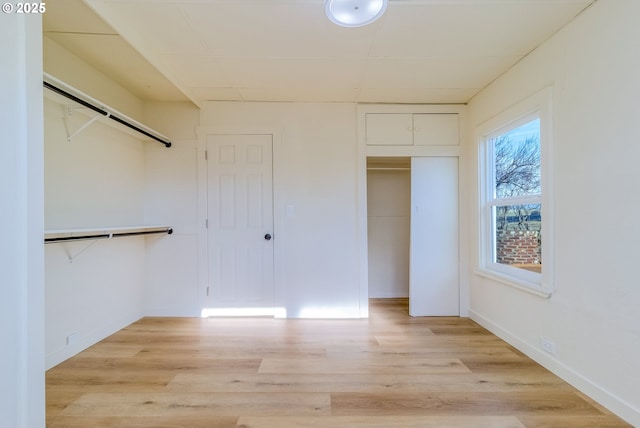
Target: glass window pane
(516,156)
(518,236)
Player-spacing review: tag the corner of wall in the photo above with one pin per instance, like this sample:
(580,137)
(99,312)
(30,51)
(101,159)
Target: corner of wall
(71,69)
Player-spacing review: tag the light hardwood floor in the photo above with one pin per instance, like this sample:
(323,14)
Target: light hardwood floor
(388,371)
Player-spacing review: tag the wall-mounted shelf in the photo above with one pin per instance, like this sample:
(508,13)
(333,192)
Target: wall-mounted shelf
(67,235)
(100,110)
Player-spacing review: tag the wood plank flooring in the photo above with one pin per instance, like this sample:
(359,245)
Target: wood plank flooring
(388,371)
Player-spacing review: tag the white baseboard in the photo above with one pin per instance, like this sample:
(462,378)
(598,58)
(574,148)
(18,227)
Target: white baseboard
(180,312)
(612,402)
(86,340)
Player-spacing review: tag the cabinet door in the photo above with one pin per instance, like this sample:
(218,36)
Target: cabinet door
(434,260)
(435,129)
(389,129)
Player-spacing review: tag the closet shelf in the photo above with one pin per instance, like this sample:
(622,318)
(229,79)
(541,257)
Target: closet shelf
(57,88)
(66,235)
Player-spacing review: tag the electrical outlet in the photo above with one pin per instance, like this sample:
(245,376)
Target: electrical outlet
(548,345)
(72,339)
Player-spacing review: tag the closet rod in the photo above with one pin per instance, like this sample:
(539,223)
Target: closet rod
(104,112)
(168,231)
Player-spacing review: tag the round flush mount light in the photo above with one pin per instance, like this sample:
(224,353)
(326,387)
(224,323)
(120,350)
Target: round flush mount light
(354,13)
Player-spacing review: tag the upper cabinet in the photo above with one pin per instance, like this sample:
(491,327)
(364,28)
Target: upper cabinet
(436,129)
(411,130)
(407,129)
(389,129)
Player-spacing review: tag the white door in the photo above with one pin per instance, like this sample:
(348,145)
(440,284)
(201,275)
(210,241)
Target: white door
(240,224)
(434,259)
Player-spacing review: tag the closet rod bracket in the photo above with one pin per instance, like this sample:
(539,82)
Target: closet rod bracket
(83,127)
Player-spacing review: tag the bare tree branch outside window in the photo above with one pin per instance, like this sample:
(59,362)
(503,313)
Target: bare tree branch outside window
(517,173)
(516,156)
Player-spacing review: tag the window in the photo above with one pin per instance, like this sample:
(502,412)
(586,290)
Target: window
(515,227)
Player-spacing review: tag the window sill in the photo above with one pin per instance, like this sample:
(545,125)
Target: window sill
(523,285)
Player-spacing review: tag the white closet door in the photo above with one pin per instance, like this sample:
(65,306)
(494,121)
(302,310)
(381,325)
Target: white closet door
(434,259)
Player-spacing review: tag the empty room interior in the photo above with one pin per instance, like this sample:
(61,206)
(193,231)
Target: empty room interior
(252,213)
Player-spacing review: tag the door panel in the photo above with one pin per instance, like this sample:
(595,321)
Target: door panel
(240,213)
(436,129)
(434,259)
(389,129)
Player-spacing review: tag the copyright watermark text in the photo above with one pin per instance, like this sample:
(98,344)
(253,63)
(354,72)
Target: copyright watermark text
(24,8)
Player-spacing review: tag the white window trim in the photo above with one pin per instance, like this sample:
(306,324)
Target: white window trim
(538,105)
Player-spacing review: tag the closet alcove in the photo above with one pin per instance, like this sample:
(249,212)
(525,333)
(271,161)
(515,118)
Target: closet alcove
(412,204)
(388,224)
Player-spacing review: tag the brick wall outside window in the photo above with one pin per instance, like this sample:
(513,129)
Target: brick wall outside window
(518,247)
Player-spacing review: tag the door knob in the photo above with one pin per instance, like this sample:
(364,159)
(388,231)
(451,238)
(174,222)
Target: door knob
(267,237)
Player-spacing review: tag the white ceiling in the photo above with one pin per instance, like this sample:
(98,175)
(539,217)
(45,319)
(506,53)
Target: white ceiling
(420,51)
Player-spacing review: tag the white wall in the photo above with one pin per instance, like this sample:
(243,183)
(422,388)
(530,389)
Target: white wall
(21,260)
(593,66)
(315,164)
(171,198)
(62,64)
(389,225)
(93,288)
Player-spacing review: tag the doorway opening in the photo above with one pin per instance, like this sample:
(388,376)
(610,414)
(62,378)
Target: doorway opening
(389,226)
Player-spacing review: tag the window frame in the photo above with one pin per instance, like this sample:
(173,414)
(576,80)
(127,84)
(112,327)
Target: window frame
(536,106)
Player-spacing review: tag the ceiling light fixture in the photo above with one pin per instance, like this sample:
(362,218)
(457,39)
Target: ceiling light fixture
(354,13)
